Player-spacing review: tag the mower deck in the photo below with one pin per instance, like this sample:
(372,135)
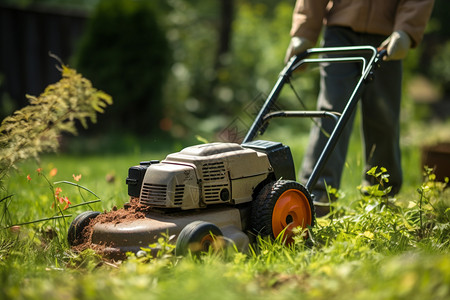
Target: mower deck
(131,235)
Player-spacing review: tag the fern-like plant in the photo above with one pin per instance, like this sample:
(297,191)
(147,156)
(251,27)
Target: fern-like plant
(36,128)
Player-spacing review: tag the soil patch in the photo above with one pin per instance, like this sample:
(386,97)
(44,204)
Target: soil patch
(132,210)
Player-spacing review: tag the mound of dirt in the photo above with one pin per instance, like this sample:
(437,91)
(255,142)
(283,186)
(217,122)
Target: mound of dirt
(132,210)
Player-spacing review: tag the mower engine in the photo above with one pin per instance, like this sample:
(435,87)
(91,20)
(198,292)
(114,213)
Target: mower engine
(207,174)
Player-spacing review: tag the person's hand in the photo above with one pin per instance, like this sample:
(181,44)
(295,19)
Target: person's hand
(297,46)
(397,45)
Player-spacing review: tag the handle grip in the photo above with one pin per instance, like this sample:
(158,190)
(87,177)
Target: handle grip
(382,53)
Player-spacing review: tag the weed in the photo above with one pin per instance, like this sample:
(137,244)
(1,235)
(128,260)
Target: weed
(430,215)
(376,220)
(36,128)
(60,203)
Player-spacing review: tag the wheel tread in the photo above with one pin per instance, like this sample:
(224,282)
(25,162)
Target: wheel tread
(264,203)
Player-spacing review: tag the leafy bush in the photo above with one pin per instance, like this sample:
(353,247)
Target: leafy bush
(389,226)
(125,52)
(440,67)
(37,127)
(209,97)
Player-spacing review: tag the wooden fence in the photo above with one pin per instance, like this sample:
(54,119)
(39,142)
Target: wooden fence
(27,35)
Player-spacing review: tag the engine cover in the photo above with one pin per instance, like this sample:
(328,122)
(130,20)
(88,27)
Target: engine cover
(205,174)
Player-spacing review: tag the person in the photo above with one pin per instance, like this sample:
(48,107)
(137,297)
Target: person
(394,25)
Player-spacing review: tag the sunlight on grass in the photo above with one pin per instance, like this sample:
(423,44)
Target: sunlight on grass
(370,248)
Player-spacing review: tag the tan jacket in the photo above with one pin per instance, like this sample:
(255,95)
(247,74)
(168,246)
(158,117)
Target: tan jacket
(365,16)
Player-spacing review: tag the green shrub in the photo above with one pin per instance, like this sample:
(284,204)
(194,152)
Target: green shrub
(125,52)
(37,127)
(440,67)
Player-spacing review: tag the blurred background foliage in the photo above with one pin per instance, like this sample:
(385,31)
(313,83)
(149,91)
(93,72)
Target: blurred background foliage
(125,51)
(179,68)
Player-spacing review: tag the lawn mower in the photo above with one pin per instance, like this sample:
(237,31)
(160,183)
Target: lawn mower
(216,194)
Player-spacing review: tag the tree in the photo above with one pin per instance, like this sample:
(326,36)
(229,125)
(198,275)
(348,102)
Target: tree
(125,52)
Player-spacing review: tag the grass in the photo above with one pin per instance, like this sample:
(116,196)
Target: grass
(371,248)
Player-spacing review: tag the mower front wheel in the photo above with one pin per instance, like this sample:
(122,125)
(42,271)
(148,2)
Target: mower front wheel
(280,207)
(74,235)
(197,237)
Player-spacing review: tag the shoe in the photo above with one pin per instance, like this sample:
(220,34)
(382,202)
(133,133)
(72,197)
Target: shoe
(322,202)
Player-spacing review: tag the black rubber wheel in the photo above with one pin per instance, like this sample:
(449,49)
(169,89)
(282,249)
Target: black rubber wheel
(74,235)
(280,207)
(197,237)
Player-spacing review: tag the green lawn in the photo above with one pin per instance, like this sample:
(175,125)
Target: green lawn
(370,249)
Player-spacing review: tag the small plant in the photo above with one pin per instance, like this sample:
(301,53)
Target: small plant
(430,215)
(165,246)
(381,189)
(60,204)
(37,127)
(384,225)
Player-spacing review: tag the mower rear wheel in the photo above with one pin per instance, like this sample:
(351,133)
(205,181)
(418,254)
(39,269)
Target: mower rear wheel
(74,235)
(280,207)
(198,237)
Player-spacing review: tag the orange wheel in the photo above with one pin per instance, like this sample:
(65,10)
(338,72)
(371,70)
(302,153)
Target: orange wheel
(207,242)
(280,207)
(291,210)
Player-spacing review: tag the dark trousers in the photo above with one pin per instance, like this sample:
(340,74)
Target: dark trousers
(380,108)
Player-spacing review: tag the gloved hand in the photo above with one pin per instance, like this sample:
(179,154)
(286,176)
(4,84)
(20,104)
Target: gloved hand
(397,45)
(297,46)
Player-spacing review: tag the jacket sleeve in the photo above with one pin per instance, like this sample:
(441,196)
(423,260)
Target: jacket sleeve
(307,19)
(412,17)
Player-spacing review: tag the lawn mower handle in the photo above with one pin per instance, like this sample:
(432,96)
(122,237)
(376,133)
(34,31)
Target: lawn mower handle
(352,54)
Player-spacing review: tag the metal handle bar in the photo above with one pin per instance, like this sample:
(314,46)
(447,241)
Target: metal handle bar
(356,52)
(302,114)
(295,62)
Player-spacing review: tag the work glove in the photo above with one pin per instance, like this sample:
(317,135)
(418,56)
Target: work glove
(297,46)
(397,45)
